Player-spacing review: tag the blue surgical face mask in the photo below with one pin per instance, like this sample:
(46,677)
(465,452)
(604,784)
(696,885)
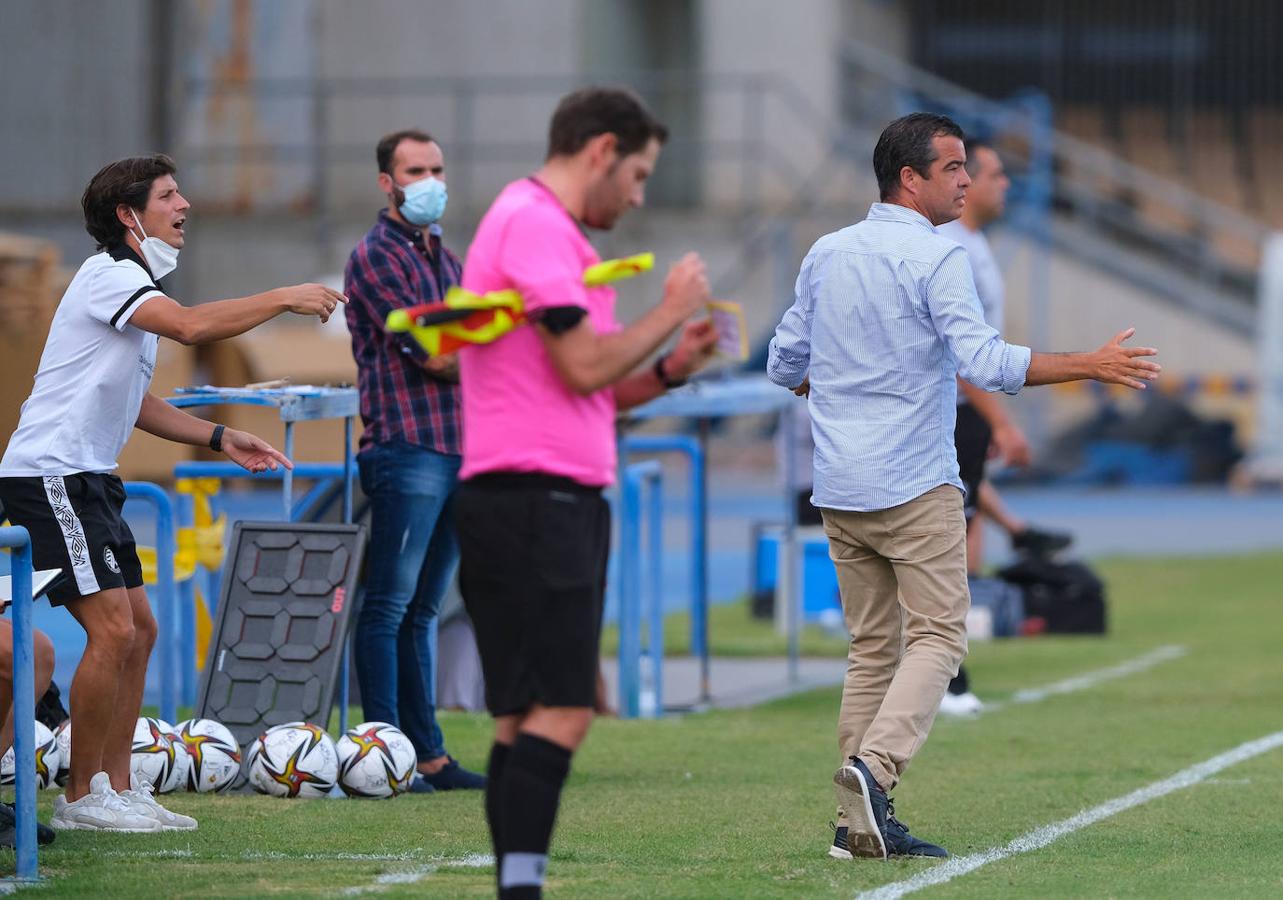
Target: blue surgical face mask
(424,201)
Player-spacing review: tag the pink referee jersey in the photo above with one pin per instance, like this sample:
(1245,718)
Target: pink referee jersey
(518,415)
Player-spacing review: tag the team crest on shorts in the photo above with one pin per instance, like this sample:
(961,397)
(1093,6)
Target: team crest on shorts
(110,559)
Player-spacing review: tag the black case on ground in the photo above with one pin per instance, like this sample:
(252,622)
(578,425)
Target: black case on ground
(1068,595)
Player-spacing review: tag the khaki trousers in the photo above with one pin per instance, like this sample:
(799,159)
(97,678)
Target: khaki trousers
(902,574)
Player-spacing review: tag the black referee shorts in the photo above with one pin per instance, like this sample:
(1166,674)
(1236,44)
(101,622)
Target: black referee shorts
(533,552)
(971,436)
(76,524)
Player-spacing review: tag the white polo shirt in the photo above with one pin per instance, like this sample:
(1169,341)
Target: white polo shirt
(985,271)
(93,375)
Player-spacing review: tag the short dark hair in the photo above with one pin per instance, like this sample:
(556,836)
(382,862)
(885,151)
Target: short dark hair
(970,146)
(386,149)
(126,181)
(586,113)
(907,142)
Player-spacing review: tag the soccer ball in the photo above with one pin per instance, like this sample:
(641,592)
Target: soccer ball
(63,734)
(156,758)
(214,757)
(256,746)
(294,761)
(47,759)
(375,760)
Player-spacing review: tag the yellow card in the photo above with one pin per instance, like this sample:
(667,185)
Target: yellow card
(732,332)
(617,269)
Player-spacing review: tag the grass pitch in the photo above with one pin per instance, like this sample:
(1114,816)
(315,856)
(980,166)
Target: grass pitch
(736,804)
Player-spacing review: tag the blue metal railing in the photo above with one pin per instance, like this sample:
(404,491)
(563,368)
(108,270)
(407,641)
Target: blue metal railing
(632,598)
(169,642)
(689,446)
(24,703)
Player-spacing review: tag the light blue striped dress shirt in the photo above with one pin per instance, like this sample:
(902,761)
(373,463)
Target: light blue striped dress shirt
(885,317)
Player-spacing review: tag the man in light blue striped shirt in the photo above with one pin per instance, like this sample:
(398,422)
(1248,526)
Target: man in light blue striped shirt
(885,318)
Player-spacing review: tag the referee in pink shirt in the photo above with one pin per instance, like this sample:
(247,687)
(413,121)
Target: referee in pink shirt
(539,411)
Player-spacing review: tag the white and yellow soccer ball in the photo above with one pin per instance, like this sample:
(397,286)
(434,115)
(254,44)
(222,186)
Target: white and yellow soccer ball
(63,735)
(156,757)
(213,756)
(375,760)
(295,760)
(47,759)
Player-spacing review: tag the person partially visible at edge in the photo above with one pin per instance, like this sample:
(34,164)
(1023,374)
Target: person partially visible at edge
(43,662)
(984,428)
(539,410)
(884,318)
(409,456)
(90,393)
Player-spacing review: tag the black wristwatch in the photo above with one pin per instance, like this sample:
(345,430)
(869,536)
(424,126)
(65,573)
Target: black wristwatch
(667,382)
(216,439)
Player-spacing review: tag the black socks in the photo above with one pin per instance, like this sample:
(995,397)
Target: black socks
(494,780)
(522,797)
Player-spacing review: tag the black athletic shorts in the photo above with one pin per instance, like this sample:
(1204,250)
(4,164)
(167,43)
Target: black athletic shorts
(533,552)
(76,524)
(971,436)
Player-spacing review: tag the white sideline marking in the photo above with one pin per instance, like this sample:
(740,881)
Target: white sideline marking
(412,876)
(1041,837)
(1081,682)
(1091,679)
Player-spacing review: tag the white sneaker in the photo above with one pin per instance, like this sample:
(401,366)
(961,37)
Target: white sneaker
(967,704)
(102,809)
(141,800)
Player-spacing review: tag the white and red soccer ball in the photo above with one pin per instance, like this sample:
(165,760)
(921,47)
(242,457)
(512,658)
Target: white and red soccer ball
(375,760)
(293,760)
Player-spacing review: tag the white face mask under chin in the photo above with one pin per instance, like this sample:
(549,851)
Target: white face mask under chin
(161,257)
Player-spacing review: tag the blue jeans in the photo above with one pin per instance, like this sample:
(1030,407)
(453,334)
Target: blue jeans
(410,560)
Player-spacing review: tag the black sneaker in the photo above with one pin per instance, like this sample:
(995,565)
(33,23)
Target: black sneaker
(838,849)
(1040,542)
(9,828)
(858,788)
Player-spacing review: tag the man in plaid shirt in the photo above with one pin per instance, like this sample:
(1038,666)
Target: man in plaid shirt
(409,455)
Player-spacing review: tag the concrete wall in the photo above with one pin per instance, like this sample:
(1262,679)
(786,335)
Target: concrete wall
(785,99)
(75,82)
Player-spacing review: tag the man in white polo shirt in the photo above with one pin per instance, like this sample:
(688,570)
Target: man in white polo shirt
(983,422)
(90,392)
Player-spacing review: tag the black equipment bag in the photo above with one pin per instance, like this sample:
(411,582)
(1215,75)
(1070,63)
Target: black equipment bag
(1069,596)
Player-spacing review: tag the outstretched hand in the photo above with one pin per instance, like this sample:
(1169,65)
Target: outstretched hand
(313,300)
(253,453)
(1116,364)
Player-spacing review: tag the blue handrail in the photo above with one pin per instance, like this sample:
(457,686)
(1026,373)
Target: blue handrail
(635,477)
(169,641)
(694,452)
(24,703)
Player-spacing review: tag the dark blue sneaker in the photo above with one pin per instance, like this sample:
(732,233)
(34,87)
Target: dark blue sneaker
(454,777)
(865,806)
(868,808)
(838,849)
(901,843)
(419,785)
